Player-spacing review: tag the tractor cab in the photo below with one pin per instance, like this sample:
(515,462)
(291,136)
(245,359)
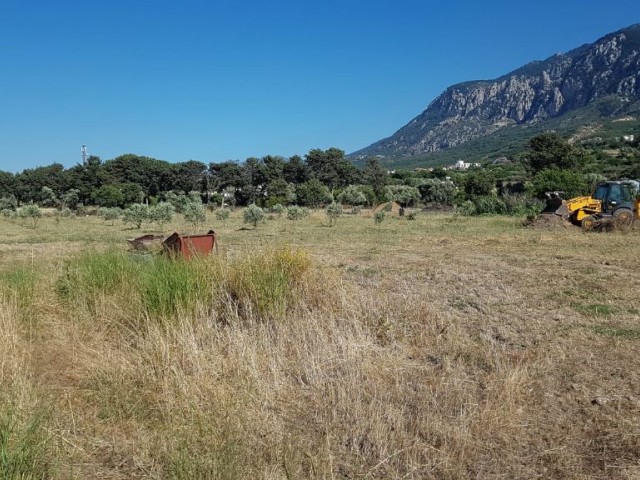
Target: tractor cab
(614,195)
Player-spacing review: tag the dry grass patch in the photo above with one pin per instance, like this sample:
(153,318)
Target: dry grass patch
(443,348)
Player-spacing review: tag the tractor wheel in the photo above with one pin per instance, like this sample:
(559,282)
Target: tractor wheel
(623,217)
(588,223)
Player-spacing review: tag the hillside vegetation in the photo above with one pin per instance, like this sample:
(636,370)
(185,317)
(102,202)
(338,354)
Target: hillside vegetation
(442,347)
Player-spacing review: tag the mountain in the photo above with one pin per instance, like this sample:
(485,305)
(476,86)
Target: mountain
(601,78)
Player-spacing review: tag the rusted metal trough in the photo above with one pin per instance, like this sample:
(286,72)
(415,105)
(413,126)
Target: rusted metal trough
(189,246)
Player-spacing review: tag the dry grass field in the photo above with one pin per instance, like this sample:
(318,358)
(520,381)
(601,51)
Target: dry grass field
(444,347)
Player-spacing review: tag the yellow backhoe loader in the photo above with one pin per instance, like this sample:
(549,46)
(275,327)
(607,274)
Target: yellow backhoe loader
(616,203)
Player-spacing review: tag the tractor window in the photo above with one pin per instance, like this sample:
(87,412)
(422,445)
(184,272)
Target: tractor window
(601,192)
(615,193)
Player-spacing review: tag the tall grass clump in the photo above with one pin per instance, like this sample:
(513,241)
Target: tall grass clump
(92,275)
(267,285)
(169,286)
(21,284)
(24,445)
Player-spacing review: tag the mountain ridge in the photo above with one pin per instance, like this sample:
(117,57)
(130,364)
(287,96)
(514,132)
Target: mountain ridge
(533,93)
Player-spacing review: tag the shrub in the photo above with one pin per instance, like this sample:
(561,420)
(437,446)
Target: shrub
(194,213)
(9,213)
(30,214)
(352,195)
(488,205)
(378,217)
(109,214)
(296,213)
(553,179)
(333,211)
(355,210)
(278,209)
(162,213)
(466,208)
(411,215)
(8,203)
(253,215)
(136,214)
(222,214)
(522,204)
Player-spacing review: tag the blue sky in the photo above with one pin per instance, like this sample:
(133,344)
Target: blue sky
(219,80)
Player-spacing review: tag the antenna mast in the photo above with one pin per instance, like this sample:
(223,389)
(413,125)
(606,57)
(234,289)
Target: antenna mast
(84,154)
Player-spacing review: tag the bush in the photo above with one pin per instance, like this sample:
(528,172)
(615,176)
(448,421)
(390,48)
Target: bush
(296,213)
(8,203)
(30,214)
(222,214)
(466,208)
(411,215)
(253,214)
(136,214)
(333,211)
(553,179)
(278,209)
(9,213)
(194,213)
(488,205)
(378,217)
(162,213)
(522,204)
(109,214)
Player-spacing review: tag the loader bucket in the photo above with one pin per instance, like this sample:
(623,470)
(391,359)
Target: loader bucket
(562,210)
(554,201)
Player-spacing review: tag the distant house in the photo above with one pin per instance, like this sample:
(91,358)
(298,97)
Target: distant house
(462,165)
(628,138)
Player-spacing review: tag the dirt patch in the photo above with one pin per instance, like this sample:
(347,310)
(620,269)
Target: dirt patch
(547,220)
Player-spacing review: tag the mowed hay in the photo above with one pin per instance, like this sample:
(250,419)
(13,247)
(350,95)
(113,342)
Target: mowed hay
(447,347)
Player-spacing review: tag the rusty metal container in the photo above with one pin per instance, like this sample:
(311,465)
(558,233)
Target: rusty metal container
(189,246)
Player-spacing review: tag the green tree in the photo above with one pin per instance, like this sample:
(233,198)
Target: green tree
(295,171)
(47,197)
(437,192)
(479,182)
(162,213)
(70,199)
(194,213)
(375,175)
(573,184)
(108,196)
(313,194)
(550,150)
(402,194)
(253,214)
(352,195)
(136,214)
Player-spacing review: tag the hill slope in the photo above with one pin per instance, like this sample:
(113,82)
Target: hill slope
(608,69)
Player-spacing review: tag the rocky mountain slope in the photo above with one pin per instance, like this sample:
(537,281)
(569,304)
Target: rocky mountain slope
(532,94)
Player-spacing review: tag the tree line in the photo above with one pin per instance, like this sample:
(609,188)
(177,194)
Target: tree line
(319,178)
